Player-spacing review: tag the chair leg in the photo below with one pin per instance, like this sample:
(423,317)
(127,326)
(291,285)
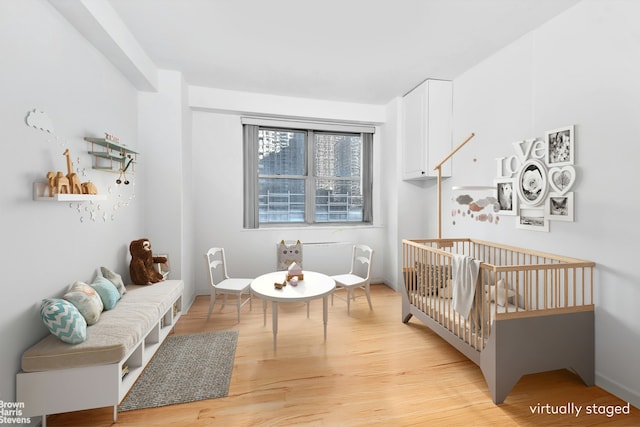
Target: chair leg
(348,301)
(239,305)
(224,301)
(307,309)
(368,293)
(211,303)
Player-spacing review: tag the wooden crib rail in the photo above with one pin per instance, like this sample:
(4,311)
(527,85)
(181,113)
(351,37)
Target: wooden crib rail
(512,282)
(494,247)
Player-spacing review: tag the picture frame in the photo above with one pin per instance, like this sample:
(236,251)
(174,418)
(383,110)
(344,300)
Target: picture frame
(560,146)
(507,196)
(561,179)
(532,183)
(532,219)
(559,206)
(163,268)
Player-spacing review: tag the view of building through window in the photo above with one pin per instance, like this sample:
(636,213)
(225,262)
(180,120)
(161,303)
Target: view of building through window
(330,177)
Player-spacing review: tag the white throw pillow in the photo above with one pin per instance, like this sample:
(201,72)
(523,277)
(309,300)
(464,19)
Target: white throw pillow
(86,300)
(114,278)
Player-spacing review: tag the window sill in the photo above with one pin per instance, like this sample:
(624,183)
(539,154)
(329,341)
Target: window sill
(345,226)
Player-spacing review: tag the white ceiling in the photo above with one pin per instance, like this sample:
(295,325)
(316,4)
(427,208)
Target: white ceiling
(364,51)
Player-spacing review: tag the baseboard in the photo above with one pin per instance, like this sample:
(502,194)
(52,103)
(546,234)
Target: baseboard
(619,390)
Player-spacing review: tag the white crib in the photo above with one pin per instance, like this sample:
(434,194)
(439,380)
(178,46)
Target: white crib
(532,311)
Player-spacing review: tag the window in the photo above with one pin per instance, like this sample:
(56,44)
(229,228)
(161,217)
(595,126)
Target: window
(282,170)
(307,176)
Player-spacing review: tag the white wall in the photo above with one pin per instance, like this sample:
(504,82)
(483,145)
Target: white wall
(48,66)
(390,173)
(217,168)
(581,68)
(190,260)
(165,126)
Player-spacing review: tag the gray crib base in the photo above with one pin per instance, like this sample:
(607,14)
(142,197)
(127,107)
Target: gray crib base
(526,345)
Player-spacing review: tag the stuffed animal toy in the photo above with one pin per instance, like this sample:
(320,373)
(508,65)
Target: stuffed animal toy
(141,267)
(288,253)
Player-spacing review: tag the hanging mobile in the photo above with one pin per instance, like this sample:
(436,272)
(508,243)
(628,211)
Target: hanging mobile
(123,173)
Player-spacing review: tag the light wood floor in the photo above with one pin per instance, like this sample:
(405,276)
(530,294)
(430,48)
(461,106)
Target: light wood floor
(373,370)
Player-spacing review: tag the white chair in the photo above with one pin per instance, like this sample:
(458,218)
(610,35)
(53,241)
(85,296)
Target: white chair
(358,277)
(222,284)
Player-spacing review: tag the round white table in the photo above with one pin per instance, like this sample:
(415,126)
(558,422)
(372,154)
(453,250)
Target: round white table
(315,285)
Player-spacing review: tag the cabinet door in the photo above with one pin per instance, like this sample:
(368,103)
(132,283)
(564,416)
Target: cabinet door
(439,125)
(427,125)
(414,147)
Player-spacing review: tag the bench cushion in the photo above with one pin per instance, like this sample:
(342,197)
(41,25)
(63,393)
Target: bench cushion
(112,338)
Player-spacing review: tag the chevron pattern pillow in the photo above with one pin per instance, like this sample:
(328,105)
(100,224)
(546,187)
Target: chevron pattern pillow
(64,320)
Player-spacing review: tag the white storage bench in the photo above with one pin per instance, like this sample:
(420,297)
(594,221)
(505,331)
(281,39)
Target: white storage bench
(58,377)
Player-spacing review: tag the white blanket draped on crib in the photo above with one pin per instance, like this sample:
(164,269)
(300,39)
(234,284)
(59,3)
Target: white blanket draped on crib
(463,283)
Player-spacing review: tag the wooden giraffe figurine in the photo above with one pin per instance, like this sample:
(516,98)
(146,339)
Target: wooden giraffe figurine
(74,180)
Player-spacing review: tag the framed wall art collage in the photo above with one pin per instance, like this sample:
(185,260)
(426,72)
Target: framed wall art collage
(535,184)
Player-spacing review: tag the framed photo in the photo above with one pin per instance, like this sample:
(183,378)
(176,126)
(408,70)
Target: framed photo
(559,207)
(561,179)
(560,146)
(532,219)
(532,183)
(507,196)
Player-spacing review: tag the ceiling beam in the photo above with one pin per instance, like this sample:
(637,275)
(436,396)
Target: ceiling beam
(101,25)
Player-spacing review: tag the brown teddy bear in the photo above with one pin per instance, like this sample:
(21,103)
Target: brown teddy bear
(141,267)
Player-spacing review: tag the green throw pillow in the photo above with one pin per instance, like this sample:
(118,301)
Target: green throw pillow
(86,300)
(107,291)
(63,320)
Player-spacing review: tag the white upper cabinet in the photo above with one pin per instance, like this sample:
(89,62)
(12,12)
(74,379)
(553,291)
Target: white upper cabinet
(427,127)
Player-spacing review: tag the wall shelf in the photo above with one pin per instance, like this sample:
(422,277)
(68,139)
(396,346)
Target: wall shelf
(41,189)
(115,156)
(473,188)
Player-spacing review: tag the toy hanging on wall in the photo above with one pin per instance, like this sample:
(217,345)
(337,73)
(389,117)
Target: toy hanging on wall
(122,178)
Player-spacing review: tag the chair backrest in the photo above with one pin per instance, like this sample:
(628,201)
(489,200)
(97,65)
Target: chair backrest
(361,261)
(217,265)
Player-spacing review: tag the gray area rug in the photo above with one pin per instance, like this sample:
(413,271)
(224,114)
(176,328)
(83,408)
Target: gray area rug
(185,368)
